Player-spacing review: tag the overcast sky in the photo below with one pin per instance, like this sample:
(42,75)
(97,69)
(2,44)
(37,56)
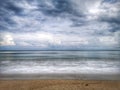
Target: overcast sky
(59,24)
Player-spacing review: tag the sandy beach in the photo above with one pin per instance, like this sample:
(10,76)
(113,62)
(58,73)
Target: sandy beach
(58,85)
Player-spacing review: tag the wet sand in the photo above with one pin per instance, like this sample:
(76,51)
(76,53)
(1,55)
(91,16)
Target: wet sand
(59,85)
(60,76)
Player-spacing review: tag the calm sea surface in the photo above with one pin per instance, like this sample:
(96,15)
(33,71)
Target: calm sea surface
(67,64)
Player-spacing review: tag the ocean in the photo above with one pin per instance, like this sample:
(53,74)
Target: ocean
(85,65)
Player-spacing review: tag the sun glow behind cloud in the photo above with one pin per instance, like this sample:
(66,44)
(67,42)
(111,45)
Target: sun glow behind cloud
(6,39)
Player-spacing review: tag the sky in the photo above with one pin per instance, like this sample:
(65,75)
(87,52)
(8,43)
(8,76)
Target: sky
(59,24)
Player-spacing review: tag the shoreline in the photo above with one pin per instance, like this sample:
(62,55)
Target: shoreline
(59,76)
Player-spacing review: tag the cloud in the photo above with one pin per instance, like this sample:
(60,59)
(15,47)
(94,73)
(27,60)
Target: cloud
(46,40)
(6,40)
(40,39)
(60,23)
(108,40)
(117,36)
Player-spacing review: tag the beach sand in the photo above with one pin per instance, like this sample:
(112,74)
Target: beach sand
(59,85)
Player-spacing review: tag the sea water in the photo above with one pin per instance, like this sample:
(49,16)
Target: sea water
(60,64)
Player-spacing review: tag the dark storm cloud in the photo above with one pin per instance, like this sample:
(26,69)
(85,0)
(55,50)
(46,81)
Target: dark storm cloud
(12,7)
(59,7)
(112,14)
(111,20)
(7,10)
(2,27)
(54,8)
(110,1)
(114,27)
